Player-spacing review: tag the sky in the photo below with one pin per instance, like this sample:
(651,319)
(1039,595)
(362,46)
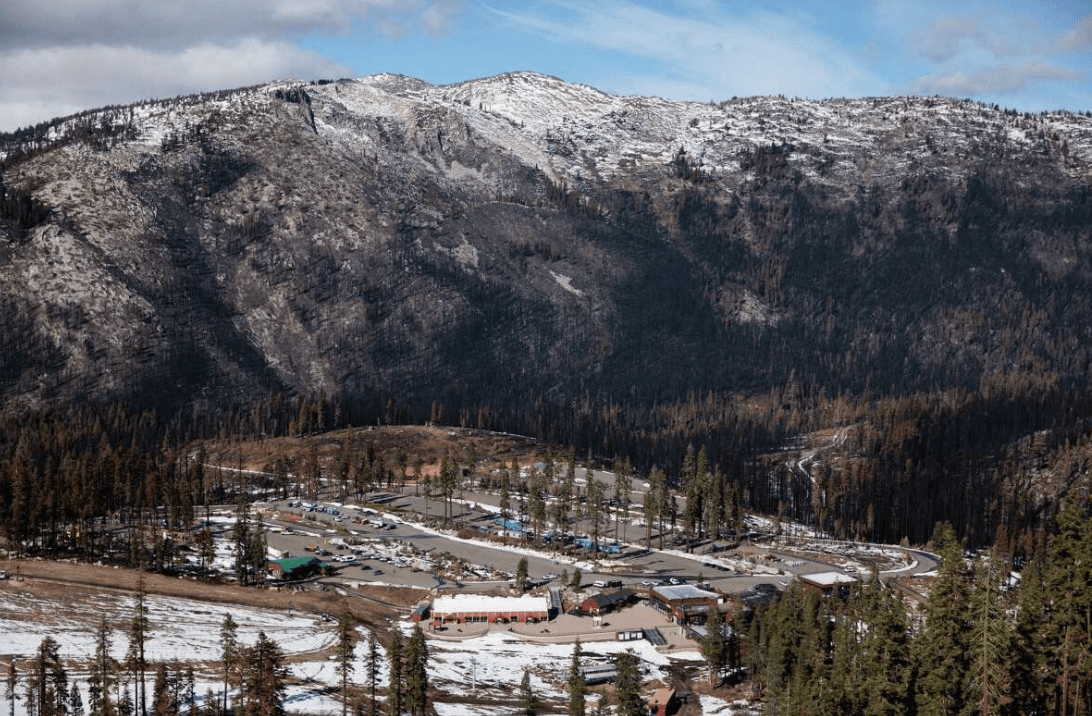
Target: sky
(58,57)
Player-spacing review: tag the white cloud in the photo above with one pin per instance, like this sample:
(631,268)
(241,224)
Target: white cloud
(1079,39)
(163,25)
(62,56)
(57,81)
(710,55)
(1002,79)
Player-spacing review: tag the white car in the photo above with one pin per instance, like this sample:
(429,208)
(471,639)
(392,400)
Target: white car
(345,558)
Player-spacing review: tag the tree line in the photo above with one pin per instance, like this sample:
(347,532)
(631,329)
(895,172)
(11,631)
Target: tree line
(990,462)
(983,642)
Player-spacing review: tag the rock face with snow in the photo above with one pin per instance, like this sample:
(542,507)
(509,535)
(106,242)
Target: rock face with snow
(519,238)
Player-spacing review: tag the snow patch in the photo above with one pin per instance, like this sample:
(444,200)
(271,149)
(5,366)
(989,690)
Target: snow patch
(566,283)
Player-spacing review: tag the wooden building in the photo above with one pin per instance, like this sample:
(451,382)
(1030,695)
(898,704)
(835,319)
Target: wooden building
(293,569)
(826,583)
(684,602)
(662,702)
(471,608)
(599,604)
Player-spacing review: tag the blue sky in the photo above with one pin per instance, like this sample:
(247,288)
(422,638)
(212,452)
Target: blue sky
(63,56)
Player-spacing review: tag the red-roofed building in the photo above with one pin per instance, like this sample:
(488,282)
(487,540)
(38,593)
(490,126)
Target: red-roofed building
(662,703)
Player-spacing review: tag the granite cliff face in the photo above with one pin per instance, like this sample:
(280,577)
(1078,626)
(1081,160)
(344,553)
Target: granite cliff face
(518,238)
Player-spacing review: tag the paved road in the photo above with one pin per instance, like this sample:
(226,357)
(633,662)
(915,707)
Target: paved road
(639,565)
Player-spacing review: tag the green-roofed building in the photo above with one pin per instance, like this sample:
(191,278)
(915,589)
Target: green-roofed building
(292,569)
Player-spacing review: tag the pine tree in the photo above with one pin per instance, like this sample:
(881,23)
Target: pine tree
(48,682)
(256,554)
(578,687)
(885,659)
(987,677)
(1027,659)
(242,541)
(416,673)
(346,648)
(713,646)
(942,645)
(138,629)
(162,703)
(100,677)
(396,694)
(229,654)
(528,700)
(265,678)
(189,691)
(371,671)
(12,686)
(1068,641)
(75,700)
(627,685)
(521,575)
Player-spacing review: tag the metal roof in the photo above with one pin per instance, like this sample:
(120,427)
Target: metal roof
(682,591)
(484,604)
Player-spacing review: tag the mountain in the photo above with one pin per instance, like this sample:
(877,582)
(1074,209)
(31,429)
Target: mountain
(519,242)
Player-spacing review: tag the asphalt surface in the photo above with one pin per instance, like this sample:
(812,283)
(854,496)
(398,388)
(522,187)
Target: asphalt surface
(634,567)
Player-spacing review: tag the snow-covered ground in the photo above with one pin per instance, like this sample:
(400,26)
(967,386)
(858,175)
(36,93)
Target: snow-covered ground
(713,706)
(186,632)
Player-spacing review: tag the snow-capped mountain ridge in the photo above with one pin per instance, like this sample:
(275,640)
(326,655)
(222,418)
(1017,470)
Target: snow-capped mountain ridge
(354,236)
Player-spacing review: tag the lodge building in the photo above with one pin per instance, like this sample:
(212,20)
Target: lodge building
(478,608)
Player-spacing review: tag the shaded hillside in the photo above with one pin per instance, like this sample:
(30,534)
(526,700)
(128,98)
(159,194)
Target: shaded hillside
(518,237)
(625,275)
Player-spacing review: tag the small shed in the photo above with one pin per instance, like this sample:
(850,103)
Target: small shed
(662,702)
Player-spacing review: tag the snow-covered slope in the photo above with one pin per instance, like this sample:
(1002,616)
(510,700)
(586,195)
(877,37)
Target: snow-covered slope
(519,234)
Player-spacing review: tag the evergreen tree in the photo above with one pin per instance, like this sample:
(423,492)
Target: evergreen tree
(846,690)
(162,701)
(48,684)
(396,694)
(649,514)
(577,579)
(942,645)
(578,687)
(12,686)
(138,629)
(229,654)
(75,700)
(713,646)
(371,672)
(264,678)
(521,575)
(188,694)
(1068,638)
(528,700)
(243,542)
(256,554)
(627,685)
(346,648)
(416,673)
(885,659)
(1027,657)
(987,686)
(100,677)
